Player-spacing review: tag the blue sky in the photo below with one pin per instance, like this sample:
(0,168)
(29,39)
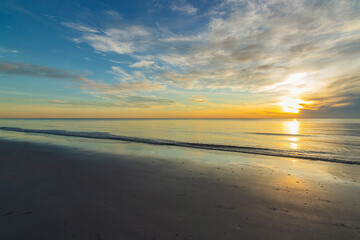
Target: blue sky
(228,58)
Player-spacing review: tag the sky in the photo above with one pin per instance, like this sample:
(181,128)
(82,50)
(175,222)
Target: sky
(180,59)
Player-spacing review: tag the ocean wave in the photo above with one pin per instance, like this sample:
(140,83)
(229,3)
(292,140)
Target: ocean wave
(308,155)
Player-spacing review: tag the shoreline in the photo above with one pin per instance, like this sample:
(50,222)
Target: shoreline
(53,192)
(192,145)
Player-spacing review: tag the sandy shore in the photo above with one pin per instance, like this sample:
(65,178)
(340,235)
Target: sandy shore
(50,192)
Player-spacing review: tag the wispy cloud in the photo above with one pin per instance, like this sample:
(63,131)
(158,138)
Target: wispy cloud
(198,99)
(79,27)
(263,43)
(148,101)
(252,46)
(129,83)
(184,7)
(113,13)
(142,64)
(126,40)
(180,38)
(121,102)
(32,70)
(122,88)
(5,50)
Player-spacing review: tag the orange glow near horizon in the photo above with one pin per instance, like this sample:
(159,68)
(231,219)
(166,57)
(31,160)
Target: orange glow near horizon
(222,111)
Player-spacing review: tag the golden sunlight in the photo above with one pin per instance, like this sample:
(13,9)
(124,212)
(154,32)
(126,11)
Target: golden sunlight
(294,146)
(296,84)
(292,105)
(292,128)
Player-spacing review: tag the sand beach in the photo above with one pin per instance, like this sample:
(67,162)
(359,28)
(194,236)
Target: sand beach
(54,192)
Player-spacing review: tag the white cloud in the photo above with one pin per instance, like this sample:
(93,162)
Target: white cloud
(198,99)
(122,88)
(129,84)
(180,38)
(184,7)
(180,60)
(251,45)
(79,27)
(107,44)
(113,13)
(142,64)
(122,41)
(261,44)
(119,102)
(4,50)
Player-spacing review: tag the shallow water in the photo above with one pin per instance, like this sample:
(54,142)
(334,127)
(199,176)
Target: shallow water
(313,139)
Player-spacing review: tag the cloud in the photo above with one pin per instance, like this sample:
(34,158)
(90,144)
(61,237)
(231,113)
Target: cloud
(252,46)
(180,38)
(119,62)
(129,83)
(79,27)
(126,40)
(4,50)
(32,70)
(118,71)
(146,101)
(142,64)
(184,7)
(121,88)
(122,102)
(113,13)
(105,43)
(198,99)
(337,92)
(179,60)
(260,44)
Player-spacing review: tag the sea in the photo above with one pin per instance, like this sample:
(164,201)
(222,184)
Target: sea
(328,140)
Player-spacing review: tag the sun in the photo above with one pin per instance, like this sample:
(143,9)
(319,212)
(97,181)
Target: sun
(296,85)
(292,105)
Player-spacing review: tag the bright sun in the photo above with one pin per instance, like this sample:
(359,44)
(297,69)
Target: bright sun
(296,84)
(292,105)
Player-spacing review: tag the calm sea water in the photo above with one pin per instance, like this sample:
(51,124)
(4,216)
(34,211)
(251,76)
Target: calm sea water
(332,140)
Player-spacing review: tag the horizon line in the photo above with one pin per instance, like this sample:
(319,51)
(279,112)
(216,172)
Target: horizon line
(179,118)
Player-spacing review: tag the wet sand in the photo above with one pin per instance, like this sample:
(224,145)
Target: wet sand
(51,192)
